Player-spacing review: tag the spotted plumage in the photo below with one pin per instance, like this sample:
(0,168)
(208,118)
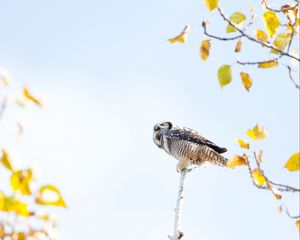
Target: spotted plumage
(188,146)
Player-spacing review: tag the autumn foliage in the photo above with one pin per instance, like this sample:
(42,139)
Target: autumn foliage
(280,41)
(23,201)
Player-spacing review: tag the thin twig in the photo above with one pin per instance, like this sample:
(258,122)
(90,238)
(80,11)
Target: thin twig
(204,25)
(293,31)
(284,188)
(3,106)
(178,234)
(256,63)
(292,78)
(282,9)
(280,187)
(283,53)
(291,216)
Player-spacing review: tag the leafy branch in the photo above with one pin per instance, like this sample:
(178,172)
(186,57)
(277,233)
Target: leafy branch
(259,179)
(281,45)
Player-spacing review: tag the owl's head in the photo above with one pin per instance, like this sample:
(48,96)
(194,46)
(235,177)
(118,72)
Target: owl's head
(158,130)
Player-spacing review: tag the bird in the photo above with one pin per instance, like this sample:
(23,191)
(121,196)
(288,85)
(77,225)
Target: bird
(188,146)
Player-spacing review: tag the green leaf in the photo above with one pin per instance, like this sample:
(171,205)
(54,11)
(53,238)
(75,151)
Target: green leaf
(238,18)
(224,75)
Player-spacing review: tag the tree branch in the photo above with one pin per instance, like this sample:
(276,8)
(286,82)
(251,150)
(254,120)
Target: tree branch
(279,187)
(178,234)
(244,34)
(293,30)
(256,63)
(279,10)
(292,78)
(284,188)
(204,25)
(3,106)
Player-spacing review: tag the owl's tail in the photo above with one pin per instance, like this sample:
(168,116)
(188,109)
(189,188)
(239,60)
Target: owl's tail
(211,156)
(218,159)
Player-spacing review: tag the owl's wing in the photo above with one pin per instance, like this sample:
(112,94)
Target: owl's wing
(192,136)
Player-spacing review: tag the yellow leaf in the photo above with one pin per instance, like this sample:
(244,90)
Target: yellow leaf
(243,143)
(224,75)
(21,181)
(236,161)
(2,232)
(293,164)
(182,37)
(50,195)
(281,41)
(211,4)
(236,18)
(258,177)
(298,224)
(32,98)
(268,64)
(12,204)
(257,133)
(2,200)
(238,45)
(246,80)
(261,35)
(271,22)
(6,160)
(21,236)
(204,49)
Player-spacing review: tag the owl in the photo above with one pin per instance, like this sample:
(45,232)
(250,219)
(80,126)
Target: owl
(188,146)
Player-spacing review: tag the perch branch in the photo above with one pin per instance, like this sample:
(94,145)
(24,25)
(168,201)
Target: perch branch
(178,234)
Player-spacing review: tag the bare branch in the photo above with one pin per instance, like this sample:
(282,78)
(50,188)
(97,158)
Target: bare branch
(204,25)
(284,188)
(244,34)
(293,30)
(3,107)
(292,78)
(279,10)
(256,63)
(289,214)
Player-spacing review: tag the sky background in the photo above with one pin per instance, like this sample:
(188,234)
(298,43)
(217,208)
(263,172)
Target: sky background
(108,75)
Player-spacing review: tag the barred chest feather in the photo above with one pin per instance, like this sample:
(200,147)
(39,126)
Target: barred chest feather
(182,149)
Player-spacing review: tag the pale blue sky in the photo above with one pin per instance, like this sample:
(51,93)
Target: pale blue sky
(109,75)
